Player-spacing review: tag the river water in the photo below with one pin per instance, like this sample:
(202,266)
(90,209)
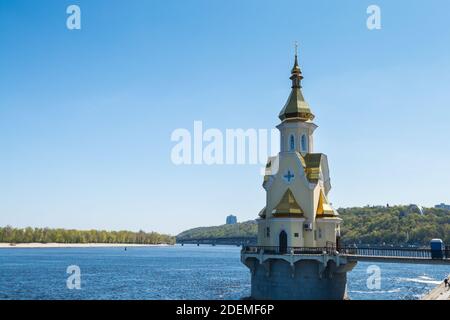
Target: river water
(176,272)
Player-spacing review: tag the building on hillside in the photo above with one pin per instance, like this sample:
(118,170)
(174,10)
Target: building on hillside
(442,206)
(231,219)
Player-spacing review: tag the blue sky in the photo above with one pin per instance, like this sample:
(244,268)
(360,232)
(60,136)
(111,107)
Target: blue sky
(86,115)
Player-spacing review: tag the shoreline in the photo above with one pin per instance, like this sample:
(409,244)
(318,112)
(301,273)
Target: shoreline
(36,245)
(440,292)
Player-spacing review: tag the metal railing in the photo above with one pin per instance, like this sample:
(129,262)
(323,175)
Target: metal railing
(397,252)
(289,250)
(366,251)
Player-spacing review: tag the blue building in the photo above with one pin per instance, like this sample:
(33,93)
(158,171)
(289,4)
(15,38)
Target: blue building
(231,219)
(443,206)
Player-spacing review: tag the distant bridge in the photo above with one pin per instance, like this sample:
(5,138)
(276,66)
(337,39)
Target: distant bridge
(372,254)
(233,241)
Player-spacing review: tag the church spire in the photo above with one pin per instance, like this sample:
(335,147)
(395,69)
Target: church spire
(296,108)
(296,73)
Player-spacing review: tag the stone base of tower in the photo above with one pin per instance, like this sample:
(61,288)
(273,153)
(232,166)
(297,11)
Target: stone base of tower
(298,278)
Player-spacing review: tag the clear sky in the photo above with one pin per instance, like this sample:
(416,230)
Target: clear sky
(86,115)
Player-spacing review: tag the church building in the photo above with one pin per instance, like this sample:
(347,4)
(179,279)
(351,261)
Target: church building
(297,182)
(296,256)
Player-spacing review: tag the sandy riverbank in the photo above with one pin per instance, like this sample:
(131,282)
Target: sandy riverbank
(441,292)
(75,245)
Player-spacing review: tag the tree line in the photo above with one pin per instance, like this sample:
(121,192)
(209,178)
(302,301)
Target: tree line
(397,225)
(9,234)
(241,229)
(374,225)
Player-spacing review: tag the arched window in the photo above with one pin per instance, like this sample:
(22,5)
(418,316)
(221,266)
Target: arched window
(304,143)
(291,143)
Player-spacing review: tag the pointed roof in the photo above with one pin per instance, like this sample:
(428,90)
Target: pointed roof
(262,213)
(296,68)
(288,206)
(296,107)
(324,208)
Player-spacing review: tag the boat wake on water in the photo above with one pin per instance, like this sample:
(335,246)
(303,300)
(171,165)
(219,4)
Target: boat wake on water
(421,279)
(376,291)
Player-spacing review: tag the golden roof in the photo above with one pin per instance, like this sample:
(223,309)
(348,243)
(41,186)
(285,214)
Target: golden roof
(296,68)
(287,206)
(324,209)
(296,107)
(313,160)
(312,165)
